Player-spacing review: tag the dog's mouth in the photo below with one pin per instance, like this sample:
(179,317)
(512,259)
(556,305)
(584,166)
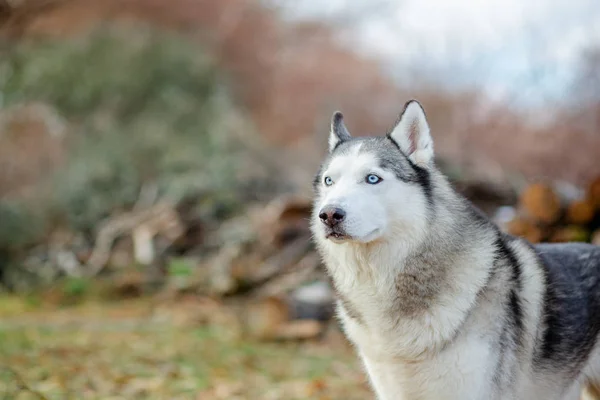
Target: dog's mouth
(336,235)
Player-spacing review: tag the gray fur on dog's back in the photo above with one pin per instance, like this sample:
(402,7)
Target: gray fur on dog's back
(571,304)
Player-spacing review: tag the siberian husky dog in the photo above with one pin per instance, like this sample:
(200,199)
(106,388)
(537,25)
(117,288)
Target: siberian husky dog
(438,301)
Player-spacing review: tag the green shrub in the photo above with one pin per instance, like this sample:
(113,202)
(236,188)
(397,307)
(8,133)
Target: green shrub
(76,287)
(180,268)
(20,226)
(144,106)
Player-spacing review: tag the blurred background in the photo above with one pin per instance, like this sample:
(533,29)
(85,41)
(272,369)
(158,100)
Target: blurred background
(156,161)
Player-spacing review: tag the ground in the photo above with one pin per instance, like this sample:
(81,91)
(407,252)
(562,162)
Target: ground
(151,349)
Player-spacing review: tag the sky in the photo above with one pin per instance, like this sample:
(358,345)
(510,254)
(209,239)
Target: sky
(528,49)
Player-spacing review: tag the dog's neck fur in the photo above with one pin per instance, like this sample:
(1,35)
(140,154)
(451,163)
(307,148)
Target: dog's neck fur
(424,288)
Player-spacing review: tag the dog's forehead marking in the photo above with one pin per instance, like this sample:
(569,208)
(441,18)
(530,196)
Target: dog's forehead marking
(344,158)
(352,160)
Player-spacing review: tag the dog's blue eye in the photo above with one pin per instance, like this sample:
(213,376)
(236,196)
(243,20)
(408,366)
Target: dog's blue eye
(373,179)
(328,181)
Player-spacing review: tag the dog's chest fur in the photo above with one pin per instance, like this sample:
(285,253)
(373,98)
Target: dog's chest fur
(400,310)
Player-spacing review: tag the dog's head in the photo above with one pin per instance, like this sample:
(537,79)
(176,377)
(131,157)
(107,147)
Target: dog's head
(370,188)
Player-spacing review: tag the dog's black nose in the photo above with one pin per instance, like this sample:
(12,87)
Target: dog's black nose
(331,216)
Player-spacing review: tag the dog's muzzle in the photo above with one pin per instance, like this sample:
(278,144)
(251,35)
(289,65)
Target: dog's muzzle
(332,217)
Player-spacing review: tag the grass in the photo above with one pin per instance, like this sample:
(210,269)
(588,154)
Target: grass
(141,349)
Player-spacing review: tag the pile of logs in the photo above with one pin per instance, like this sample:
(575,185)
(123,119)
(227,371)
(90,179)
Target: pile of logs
(264,263)
(543,216)
(266,267)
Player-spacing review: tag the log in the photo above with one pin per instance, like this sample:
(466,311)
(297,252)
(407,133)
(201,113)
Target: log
(263,319)
(298,330)
(161,218)
(271,319)
(580,212)
(540,203)
(281,262)
(283,220)
(302,272)
(525,228)
(593,193)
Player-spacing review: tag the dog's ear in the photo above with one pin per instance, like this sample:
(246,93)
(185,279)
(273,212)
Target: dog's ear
(412,136)
(339,133)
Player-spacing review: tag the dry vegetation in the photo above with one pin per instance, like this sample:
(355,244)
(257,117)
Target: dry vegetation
(290,77)
(139,350)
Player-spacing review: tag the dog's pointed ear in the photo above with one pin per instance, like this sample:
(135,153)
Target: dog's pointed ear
(412,135)
(339,133)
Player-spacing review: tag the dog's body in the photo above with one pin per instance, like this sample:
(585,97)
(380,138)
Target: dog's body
(439,303)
